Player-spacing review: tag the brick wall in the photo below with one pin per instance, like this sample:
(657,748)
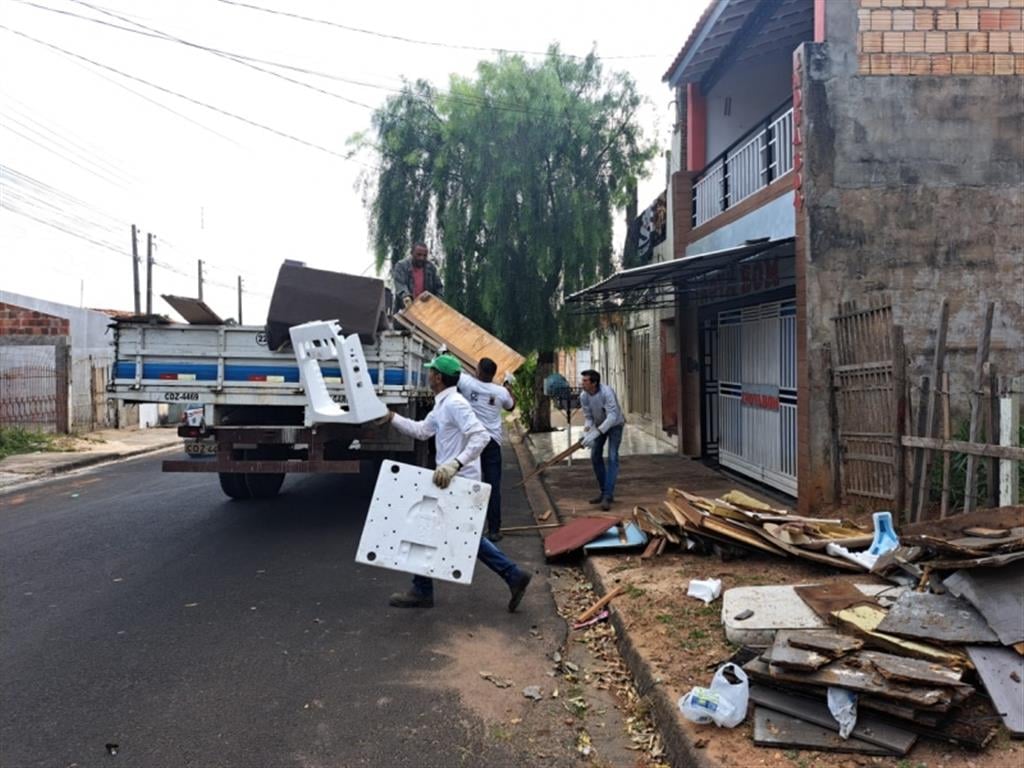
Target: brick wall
(940,37)
(19,321)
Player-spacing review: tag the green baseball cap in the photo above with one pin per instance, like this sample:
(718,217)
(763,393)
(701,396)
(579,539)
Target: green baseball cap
(446,364)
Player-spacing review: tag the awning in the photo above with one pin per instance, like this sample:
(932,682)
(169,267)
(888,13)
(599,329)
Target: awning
(657,285)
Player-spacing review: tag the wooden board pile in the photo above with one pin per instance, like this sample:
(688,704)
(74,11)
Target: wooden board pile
(737,522)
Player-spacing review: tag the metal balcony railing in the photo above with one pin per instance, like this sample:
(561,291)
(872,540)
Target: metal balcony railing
(749,165)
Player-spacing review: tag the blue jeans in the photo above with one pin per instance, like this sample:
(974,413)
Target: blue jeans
(489,555)
(606,476)
(490,468)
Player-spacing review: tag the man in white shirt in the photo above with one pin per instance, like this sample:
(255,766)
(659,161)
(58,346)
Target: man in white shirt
(602,423)
(460,440)
(487,400)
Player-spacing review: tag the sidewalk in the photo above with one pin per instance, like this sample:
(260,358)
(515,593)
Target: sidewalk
(94,448)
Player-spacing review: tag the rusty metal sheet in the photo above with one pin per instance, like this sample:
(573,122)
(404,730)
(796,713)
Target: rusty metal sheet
(998,596)
(1002,671)
(870,727)
(941,618)
(774,729)
(574,534)
(826,599)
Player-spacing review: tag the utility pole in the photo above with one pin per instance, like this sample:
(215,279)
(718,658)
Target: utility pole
(200,279)
(239,299)
(149,273)
(135,271)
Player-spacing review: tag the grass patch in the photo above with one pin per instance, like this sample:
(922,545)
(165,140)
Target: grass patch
(15,440)
(635,592)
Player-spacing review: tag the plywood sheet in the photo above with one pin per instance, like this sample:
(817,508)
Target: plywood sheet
(195,311)
(787,656)
(826,599)
(942,618)
(997,595)
(1002,671)
(774,729)
(870,727)
(464,338)
(864,620)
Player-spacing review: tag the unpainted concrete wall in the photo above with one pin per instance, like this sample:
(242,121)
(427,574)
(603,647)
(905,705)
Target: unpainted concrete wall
(914,188)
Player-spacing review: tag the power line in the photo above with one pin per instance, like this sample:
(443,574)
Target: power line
(413,41)
(92,171)
(226,113)
(246,60)
(65,230)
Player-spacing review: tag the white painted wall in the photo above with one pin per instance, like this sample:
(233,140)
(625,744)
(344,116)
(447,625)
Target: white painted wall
(775,219)
(756,87)
(92,344)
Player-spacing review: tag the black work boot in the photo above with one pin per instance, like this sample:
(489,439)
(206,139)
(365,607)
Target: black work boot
(518,589)
(597,499)
(411,599)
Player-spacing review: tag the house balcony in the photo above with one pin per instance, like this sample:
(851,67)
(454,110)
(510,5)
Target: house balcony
(747,166)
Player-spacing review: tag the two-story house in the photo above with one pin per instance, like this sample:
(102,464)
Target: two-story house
(830,159)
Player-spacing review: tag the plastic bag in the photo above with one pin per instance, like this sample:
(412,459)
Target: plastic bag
(843,706)
(724,703)
(707,590)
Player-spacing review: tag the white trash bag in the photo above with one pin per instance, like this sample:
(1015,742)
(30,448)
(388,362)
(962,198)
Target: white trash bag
(707,590)
(724,703)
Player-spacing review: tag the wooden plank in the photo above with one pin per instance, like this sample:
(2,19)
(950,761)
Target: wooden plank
(464,338)
(947,457)
(825,642)
(551,462)
(867,679)
(826,599)
(1002,671)
(774,729)
(899,383)
(998,597)
(870,728)
(970,481)
(918,491)
(786,656)
(1009,453)
(993,435)
(593,610)
(938,618)
(864,620)
(906,670)
(937,373)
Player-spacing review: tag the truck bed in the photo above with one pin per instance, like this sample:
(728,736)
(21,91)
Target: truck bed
(232,365)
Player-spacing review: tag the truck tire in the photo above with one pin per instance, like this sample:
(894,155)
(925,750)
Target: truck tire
(263,486)
(233,484)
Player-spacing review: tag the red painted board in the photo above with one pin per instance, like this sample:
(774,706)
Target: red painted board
(574,534)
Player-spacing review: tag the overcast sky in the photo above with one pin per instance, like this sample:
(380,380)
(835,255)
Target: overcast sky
(91,151)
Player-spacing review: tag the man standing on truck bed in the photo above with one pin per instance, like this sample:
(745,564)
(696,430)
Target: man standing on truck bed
(487,400)
(413,275)
(461,438)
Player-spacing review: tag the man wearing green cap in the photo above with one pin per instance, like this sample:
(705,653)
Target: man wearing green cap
(461,438)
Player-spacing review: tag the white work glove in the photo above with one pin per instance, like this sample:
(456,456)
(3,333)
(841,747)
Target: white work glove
(384,420)
(509,379)
(443,475)
(406,302)
(590,437)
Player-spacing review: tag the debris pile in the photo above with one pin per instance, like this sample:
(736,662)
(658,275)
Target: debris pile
(938,654)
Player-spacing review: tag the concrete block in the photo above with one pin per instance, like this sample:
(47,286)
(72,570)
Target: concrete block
(775,607)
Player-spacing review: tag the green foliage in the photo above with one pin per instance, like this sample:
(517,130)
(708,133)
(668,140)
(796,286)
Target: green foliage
(958,473)
(515,173)
(14,440)
(524,391)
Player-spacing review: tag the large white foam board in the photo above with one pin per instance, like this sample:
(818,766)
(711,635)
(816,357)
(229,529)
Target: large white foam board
(416,527)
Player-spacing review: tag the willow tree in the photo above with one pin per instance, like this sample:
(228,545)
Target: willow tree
(515,174)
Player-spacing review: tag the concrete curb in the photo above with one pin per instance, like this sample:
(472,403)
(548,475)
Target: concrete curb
(678,746)
(82,461)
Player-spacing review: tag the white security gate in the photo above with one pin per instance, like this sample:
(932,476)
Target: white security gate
(757,392)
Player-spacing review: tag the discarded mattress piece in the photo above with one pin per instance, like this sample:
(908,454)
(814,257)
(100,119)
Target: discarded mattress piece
(416,527)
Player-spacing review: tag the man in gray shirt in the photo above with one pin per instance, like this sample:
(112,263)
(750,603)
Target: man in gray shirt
(602,423)
(413,275)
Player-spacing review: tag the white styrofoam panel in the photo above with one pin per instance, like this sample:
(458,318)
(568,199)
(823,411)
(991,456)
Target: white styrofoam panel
(416,527)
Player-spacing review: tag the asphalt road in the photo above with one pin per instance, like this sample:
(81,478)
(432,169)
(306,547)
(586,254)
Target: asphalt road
(147,611)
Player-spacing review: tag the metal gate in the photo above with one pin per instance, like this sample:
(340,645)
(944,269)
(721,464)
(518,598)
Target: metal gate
(34,383)
(757,392)
(866,405)
(638,371)
(709,388)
